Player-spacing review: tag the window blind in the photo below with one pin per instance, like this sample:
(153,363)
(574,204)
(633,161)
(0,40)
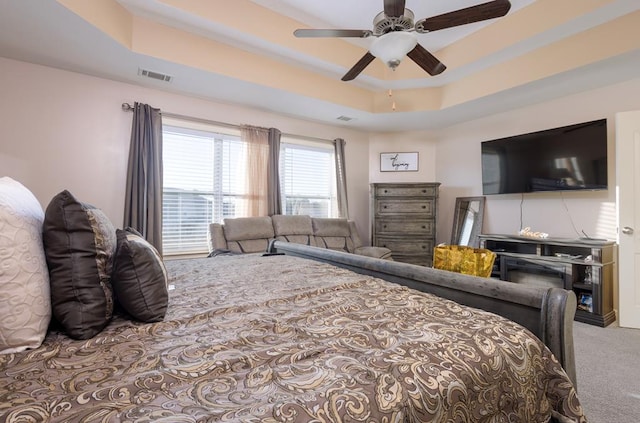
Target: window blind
(203,182)
(307,180)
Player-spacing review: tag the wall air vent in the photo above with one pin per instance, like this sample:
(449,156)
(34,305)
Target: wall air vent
(155,75)
(344,118)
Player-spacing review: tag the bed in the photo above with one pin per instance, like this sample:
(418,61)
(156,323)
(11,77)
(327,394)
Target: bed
(310,335)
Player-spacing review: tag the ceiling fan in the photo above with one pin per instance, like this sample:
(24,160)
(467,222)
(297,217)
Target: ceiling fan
(395,30)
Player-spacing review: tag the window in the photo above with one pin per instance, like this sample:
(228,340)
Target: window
(203,182)
(307,178)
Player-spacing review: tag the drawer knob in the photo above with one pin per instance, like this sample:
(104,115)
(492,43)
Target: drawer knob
(385,191)
(424,207)
(384,226)
(384,207)
(424,191)
(424,227)
(424,246)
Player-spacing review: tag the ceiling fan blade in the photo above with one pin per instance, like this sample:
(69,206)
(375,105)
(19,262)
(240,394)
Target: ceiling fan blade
(394,8)
(358,67)
(426,60)
(310,33)
(481,12)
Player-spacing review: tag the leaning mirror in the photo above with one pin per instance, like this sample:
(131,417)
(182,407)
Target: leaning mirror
(467,221)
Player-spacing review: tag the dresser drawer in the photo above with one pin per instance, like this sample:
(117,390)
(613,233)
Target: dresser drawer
(406,191)
(407,226)
(426,207)
(408,246)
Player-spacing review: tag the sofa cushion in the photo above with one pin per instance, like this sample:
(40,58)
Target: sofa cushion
(333,234)
(248,234)
(249,246)
(339,243)
(375,252)
(25,303)
(243,228)
(298,239)
(79,242)
(139,277)
(292,224)
(293,228)
(330,227)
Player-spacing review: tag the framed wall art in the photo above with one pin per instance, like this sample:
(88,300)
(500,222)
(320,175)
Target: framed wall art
(399,162)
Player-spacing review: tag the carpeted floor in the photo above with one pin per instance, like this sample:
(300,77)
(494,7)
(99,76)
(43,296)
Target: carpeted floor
(608,372)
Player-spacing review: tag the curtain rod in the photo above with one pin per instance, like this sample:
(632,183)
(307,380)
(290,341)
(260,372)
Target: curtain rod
(129,108)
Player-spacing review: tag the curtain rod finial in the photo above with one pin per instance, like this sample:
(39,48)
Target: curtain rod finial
(127,107)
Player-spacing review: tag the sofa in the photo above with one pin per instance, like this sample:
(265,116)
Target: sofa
(253,234)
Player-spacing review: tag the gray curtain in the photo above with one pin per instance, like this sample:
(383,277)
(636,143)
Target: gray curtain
(143,201)
(273,174)
(341,179)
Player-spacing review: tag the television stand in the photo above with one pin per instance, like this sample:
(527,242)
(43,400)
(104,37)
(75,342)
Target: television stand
(584,266)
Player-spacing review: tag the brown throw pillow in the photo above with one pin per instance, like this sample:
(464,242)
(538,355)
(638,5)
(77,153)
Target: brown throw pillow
(79,242)
(139,277)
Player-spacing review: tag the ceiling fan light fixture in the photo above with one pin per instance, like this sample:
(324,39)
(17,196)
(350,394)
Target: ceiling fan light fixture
(392,47)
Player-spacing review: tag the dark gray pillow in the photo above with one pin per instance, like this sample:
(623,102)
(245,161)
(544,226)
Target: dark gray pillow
(139,277)
(79,243)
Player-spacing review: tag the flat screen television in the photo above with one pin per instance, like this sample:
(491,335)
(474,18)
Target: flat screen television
(568,158)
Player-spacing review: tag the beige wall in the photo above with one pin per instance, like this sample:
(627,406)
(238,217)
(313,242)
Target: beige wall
(63,130)
(402,142)
(559,214)
(458,169)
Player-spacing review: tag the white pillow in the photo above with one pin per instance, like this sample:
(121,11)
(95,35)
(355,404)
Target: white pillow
(25,302)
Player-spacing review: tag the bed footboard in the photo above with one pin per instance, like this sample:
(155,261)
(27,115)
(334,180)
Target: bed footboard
(547,312)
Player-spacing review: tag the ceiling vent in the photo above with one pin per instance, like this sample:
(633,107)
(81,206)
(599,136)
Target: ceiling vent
(344,118)
(155,75)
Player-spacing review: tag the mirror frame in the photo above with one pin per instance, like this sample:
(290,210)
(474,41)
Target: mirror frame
(458,221)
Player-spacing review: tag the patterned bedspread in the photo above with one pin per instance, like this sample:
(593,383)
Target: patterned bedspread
(282,339)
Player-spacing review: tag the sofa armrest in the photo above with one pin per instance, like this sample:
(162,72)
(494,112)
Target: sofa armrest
(375,252)
(215,237)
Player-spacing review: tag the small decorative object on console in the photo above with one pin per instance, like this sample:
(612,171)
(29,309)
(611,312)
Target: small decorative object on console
(585,302)
(531,234)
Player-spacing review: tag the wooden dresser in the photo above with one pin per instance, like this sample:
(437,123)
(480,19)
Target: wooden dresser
(404,220)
